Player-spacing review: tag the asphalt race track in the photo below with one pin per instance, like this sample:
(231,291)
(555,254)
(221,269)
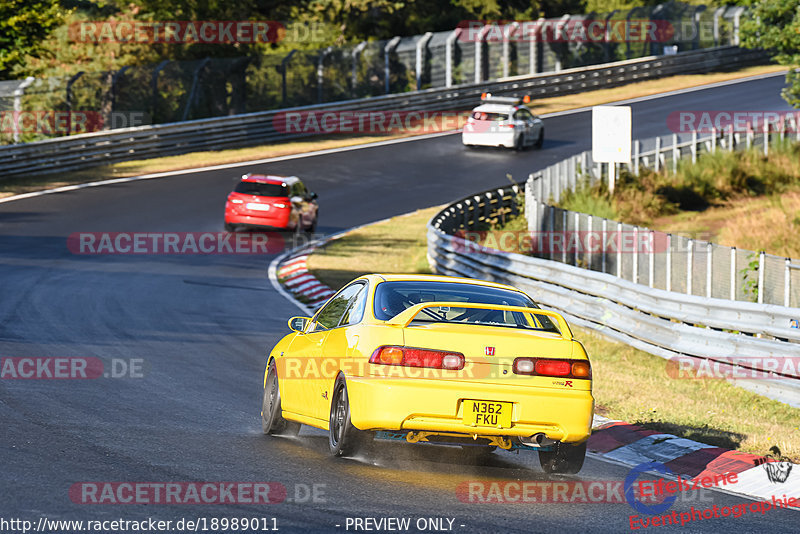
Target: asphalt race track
(199,327)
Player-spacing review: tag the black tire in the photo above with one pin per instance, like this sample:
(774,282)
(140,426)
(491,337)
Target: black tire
(272,421)
(567,458)
(343,438)
(230,227)
(540,139)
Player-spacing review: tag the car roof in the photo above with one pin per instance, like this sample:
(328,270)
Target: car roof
(270,179)
(498,108)
(440,278)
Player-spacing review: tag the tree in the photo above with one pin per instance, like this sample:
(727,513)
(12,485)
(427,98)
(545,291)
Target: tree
(24,25)
(775,25)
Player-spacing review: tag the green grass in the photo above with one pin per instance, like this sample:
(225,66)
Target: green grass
(629,384)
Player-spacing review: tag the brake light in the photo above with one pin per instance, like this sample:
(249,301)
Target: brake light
(236,201)
(414,357)
(509,125)
(552,367)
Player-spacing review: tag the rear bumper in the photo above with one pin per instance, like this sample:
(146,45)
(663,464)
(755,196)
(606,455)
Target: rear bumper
(437,405)
(277,220)
(505,139)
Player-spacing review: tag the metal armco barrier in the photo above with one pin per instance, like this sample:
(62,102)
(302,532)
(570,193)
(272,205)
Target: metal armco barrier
(663,323)
(87,150)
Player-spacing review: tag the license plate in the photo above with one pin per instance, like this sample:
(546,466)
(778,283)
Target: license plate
(255,206)
(487,413)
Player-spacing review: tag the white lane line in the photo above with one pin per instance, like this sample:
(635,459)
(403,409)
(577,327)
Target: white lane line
(359,147)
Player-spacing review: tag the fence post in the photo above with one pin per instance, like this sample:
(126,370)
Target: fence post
(730,139)
(668,283)
(714,140)
(533,48)
(787,282)
(689,266)
(652,270)
(603,231)
(709,255)
(479,53)
(766,138)
(506,45)
(762,256)
(422,45)
(448,57)
(558,31)
(635,276)
(552,230)
(658,153)
(577,234)
(694,146)
(749,141)
(636,149)
(321,72)
(587,255)
(737,14)
(355,55)
(565,235)
(387,70)
(675,153)
(733,273)
(619,249)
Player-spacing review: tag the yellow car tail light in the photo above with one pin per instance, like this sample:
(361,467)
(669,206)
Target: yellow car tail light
(415,357)
(553,367)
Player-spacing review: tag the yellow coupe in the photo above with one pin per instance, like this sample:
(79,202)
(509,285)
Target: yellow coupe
(434,359)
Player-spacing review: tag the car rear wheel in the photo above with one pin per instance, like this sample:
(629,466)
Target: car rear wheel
(343,438)
(567,458)
(272,421)
(229,227)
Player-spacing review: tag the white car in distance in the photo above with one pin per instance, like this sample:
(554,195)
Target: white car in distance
(503,122)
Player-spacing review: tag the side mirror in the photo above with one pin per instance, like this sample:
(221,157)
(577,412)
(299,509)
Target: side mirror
(299,324)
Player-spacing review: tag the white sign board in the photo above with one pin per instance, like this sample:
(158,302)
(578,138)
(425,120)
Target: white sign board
(611,134)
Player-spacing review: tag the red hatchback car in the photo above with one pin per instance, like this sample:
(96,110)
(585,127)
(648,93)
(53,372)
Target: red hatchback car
(271,201)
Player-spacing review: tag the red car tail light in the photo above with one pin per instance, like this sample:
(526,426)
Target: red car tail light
(552,367)
(414,357)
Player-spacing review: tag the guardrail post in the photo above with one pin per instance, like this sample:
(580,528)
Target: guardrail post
(636,150)
(733,273)
(448,57)
(689,266)
(552,230)
(675,153)
(587,255)
(787,282)
(422,45)
(577,234)
(571,170)
(354,55)
(766,138)
(709,257)
(387,70)
(18,94)
(694,146)
(749,139)
(762,256)
(652,267)
(730,140)
(668,260)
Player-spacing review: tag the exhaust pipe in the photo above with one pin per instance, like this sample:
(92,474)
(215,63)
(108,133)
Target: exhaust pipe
(538,440)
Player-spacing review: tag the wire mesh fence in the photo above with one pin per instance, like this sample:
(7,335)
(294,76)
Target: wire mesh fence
(174,91)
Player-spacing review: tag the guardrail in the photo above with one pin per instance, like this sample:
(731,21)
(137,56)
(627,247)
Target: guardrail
(667,324)
(87,150)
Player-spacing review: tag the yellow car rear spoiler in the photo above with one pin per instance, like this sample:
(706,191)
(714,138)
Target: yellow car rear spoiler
(404,318)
